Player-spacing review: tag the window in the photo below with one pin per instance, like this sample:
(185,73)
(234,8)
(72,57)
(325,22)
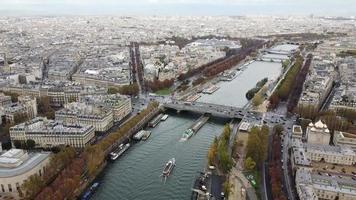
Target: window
(2,188)
(10,189)
(18,186)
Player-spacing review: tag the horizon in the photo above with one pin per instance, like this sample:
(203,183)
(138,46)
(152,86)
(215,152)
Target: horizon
(343,8)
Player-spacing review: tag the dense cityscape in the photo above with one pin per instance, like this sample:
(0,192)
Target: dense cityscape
(178,107)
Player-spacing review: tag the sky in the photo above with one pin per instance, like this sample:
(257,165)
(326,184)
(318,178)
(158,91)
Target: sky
(178,7)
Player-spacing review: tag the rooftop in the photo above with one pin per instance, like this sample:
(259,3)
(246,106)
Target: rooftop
(24,163)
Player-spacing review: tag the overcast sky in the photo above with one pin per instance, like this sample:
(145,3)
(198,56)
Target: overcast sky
(178,7)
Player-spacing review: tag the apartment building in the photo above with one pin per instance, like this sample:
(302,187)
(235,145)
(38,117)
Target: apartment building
(79,113)
(49,133)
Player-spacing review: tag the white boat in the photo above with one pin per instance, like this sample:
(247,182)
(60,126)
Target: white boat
(164,117)
(169,167)
(119,151)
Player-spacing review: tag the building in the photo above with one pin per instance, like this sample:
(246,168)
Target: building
(25,107)
(49,133)
(81,114)
(304,185)
(330,154)
(16,166)
(119,104)
(312,186)
(299,158)
(344,139)
(318,133)
(297,132)
(30,104)
(5,100)
(58,92)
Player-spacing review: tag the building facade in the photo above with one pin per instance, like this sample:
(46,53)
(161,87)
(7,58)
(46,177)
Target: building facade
(330,154)
(16,166)
(318,133)
(78,113)
(49,133)
(119,104)
(344,139)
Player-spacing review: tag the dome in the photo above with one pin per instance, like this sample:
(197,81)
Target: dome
(319,124)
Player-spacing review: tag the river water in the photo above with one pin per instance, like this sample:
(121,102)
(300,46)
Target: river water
(233,93)
(136,174)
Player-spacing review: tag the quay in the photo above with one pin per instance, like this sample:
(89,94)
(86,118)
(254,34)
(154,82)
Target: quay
(229,76)
(153,123)
(199,123)
(210,90)
(193,97)
(139,126)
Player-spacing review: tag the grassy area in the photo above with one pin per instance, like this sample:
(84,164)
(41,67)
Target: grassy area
(165,91)
(254,175)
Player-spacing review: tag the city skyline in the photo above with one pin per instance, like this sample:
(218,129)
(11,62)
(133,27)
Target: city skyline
(177,7)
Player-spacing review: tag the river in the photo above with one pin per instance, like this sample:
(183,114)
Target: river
(232,93)
(136,174)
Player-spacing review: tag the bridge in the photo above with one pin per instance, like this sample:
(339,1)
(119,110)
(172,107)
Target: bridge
(202,108)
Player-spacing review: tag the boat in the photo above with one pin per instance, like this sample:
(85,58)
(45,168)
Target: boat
(139,135)
(169,167)
(146,135)
(119,151)
(153,123)
(90,191)
(164,117)
(187,134)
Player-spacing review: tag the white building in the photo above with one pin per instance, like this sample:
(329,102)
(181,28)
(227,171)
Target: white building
(312,186)
(49,133)
(297,132)
(78,113)
(16,166)
(119,104)
(331,154)
(318,133)
(26,106)
(344,139)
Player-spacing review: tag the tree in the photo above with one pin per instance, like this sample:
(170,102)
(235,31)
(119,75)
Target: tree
(17,144)
(278,129)
(250,164)
(32,186)
(212,152)
(44,108)
(257,100)
(258,137)
(227,186)
(30,144)
(113,90)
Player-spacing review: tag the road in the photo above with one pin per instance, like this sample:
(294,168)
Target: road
(278,117)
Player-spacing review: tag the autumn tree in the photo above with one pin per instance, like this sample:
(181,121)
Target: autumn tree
(257,100)
(249,164)
(43,107)
(257,144)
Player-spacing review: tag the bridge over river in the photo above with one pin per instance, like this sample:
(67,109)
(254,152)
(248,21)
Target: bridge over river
(202,108)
